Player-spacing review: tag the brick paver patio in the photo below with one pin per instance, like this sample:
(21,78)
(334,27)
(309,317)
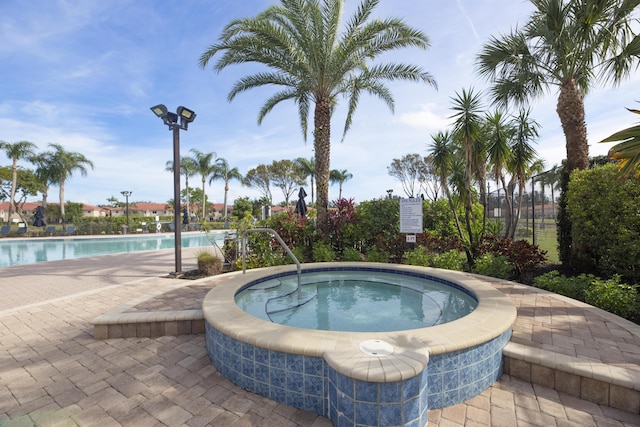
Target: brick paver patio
(54,373)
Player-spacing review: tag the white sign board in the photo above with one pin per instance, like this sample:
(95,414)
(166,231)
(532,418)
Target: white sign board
(411,215)
(411,238)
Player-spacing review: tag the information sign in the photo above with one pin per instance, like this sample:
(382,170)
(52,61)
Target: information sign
(411,215)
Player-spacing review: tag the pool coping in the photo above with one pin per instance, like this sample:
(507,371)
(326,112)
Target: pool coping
(494,315)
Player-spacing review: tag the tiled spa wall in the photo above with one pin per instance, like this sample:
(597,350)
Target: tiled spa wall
(309,383)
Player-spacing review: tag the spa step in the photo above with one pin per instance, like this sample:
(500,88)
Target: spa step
(587,379)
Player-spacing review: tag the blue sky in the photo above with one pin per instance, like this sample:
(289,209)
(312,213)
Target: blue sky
(84,73)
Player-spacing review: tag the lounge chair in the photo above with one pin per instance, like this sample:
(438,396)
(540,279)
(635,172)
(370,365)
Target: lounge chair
(50,231)
(5,230)
(69,231)
(22,230)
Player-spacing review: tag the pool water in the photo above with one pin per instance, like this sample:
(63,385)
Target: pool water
(30,251)
(356,301)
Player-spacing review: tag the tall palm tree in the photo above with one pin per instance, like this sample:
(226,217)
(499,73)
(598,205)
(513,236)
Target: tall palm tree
(64,164)
(500,134)
(441,154)
(571,44)
(203,166)
(308,167)
(467,131)
(522,159)
(16,151)
(188,169)
(45,173)
(311,61)
(339,176)
(222,171)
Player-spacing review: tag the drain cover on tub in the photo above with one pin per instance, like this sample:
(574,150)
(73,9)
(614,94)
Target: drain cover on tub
(376,348)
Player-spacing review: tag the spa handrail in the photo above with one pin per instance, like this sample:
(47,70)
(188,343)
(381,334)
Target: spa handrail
(279,239)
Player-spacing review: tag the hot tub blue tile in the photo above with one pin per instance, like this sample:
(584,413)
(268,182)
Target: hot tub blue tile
(262,373)
(346,406)
(295,399)
(313,366)
(390,392)
(248,367)
(450,397)
(366,392)
(262,355)
(277,359)
(313,385)
(391,414)
(295,382)
(261,388)
(248,351)
(278,394)
(345,385)
(367,414)
(434,383)
(435,400)
(450,380)
(411,409)
(294,363)
(277,377)
(451,362)
(315,404)
(411,387)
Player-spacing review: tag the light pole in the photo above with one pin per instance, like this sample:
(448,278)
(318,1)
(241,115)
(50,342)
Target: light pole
(171,120)
(126,194)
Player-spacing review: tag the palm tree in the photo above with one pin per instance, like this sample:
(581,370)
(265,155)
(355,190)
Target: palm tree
(312,62)
(64,164)
(522,159)
(628,148)
(467,131)
(308,167)
(16,151)
(339,176)
(221,171)
(499,154)
(569,44)
(441,154)
(45,173)
(204,167)
(188,169)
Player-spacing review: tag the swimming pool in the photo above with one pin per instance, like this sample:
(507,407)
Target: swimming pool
(29,251)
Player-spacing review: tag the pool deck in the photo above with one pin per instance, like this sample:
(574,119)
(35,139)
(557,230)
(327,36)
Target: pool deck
(53,371)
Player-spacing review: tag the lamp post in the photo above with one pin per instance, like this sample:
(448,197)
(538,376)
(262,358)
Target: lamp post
(126,194)
(171,120)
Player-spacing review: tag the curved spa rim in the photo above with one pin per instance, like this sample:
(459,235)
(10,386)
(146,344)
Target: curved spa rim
(360,378)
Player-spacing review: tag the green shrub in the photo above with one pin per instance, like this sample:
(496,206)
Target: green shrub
(209,263)
(322,252)
(350,254)
(377,255)
(495,266)
(572,287)
(418,256)
(603,209)
(615,297)
(450,260)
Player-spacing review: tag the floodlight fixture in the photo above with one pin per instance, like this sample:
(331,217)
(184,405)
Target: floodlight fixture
(171,119)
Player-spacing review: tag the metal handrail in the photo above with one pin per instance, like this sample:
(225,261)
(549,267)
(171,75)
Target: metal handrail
(279,239)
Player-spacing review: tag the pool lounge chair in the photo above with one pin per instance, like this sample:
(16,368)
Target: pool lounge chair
(50,231)
(5,230)
(22,230)
(69,231)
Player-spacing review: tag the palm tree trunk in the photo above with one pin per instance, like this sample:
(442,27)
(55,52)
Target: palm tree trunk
(61,193)
(204,200)
(322,148)
(570,109)
(226,191)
